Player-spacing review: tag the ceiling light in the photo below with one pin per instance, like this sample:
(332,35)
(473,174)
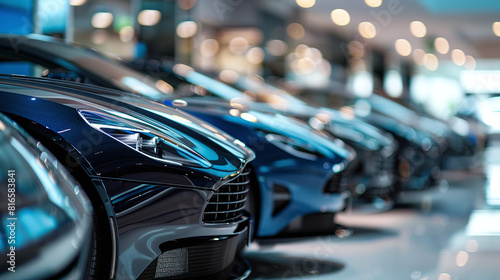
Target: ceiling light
(276,47)
(295,31)
(305,3)
(458,57)
(238,45)
(102,20)
(187,29)
(255,55)
(496,28)
(441,44)
(367,30)
(470,62)
(403,47)
(149,17)
(373,3)
(77,2)
(209,47)
(126,33)
(462,258)
(303,66)
(301,50)
(340,17)
(418,29)
(431,61)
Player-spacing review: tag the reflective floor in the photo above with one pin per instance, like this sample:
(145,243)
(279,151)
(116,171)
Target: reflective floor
(448,232)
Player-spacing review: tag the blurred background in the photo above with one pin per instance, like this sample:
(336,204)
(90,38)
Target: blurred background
(441,55)
(440,58)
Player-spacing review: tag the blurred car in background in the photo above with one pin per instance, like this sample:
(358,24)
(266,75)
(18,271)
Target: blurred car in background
(371,175)
(167,188)
(418,154)
(455,139)
(45,213)
(298,172)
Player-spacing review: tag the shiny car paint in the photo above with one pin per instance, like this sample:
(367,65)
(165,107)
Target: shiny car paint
(49,214)
(91,67)
(152,205)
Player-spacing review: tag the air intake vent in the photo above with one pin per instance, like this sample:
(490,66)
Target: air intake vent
(207,260)
(228,202)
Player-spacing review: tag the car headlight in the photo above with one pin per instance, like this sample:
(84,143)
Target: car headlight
(293,146)
(145,138)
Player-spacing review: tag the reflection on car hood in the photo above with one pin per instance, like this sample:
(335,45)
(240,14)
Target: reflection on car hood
(349,128)
(271,122)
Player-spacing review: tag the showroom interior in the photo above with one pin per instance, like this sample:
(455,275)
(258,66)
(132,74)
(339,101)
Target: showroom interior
(250,139)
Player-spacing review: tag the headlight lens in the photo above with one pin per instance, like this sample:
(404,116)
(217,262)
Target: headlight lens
(145,139)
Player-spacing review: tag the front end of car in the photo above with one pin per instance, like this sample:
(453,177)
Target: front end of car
(372,173)
(418,154)
(207,217)
(298,171)
(177,196)
(461,144)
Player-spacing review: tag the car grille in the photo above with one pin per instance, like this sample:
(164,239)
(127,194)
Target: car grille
(227,203)
(206,260)
(337,183)
(377,192)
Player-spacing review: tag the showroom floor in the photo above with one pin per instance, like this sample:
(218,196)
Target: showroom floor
(448,232)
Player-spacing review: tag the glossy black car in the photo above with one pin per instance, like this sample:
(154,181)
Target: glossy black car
(298,171)
(46,218)
(169,190)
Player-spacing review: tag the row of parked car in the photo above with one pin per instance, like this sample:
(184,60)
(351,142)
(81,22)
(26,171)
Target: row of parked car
(152,170)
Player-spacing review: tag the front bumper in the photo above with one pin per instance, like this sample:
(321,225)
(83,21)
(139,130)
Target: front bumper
(292,193)
(372,175)
(167,227)
(202,257)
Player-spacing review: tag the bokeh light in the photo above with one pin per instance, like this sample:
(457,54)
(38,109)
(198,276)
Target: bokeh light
(418,29)
(340,17)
